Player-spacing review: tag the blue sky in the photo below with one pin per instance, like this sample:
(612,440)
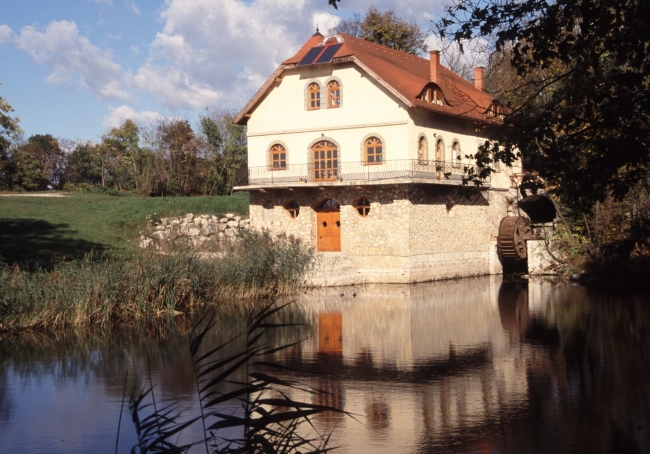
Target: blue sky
(75,68)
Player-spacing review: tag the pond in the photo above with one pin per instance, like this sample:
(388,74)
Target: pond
(475,365)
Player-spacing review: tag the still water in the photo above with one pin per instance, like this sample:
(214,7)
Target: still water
(467,366)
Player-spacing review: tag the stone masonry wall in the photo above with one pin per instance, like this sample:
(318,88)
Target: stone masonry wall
(453,230)
(412,232)
(199,233)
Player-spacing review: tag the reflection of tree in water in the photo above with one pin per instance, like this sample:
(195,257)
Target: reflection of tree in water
(6,405)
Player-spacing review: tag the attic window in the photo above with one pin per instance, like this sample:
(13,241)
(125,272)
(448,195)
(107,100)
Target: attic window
(496,109)
(432,95)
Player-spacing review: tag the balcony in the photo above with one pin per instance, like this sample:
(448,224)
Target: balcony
(352,173)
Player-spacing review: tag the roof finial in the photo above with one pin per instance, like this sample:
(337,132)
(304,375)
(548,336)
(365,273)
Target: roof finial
(317,30)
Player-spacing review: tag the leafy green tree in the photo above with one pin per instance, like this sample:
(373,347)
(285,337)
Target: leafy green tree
(82,165)
(386,29)
(581,75)
(225,145)
(176,147)
(126,161)
(38,164)
(8,129)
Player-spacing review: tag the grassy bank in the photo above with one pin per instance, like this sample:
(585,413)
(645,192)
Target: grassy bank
(114,289)
(34,229)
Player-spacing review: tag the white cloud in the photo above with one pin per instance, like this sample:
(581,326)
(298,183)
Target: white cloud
(103,2)
(118,115)
(6,34)
(133,7)
(221,51)
(324,21)
(74,60)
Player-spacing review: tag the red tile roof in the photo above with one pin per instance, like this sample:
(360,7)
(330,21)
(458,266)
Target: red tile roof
(403,74)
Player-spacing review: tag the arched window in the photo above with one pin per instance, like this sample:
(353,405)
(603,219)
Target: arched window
(278,157)
(333,94)
(293,209)
(432,95)
(455,153)
(313,96)
(325,161)
(362,205)
(440,151)
(422,150)
(373,151)
(496,109)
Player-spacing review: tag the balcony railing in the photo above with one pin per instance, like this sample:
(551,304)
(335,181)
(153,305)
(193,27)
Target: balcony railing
(361,171)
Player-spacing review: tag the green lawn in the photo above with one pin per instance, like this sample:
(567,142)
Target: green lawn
(37,228)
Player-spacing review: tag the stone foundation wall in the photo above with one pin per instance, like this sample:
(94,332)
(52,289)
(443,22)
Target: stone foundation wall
(199,233)
(412,233)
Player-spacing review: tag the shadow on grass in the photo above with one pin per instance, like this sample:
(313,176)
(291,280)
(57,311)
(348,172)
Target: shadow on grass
(31,242)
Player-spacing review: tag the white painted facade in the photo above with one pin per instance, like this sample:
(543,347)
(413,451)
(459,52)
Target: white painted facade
(424,223)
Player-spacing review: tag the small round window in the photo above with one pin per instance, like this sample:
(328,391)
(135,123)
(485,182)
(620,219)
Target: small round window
(362,205)
(293,209)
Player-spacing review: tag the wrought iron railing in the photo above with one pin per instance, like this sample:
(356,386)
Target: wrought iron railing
(362,171)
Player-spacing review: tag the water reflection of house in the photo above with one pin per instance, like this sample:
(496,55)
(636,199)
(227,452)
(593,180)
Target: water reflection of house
(330,344)
(330,333)
(427,362)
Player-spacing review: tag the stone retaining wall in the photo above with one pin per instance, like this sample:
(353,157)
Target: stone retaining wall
(198,233)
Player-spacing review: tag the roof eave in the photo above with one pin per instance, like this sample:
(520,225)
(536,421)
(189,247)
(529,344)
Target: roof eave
(466,116)
(242,117)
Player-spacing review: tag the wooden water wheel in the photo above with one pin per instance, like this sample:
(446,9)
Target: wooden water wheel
(513,233)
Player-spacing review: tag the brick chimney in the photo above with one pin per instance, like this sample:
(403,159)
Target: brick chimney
(434,65)
(479,75)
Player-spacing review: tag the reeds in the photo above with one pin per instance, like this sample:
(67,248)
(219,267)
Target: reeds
(254,414)
(91,292)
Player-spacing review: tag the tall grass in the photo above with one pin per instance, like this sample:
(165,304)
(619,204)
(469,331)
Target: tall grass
(253,414)
(91,292)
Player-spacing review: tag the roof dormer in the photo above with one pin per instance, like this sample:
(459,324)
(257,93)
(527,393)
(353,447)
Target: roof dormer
(497,110)
(432,94)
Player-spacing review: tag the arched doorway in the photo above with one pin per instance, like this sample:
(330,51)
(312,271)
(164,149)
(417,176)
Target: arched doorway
(328,226)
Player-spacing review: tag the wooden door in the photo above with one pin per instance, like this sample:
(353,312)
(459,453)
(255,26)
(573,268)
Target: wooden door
(329,230)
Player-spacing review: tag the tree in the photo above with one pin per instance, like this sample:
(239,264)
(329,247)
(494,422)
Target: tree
(225,145)
(82,165)
(128,162)
(581,84)
(8,129)
(38,164)
(385,29)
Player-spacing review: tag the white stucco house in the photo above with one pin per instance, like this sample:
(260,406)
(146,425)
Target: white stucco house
(360,151)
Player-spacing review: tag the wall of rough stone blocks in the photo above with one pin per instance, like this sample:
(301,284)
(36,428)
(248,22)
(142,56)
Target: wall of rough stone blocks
(412,232)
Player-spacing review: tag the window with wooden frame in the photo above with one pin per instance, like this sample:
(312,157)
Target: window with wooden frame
(422,150)
(277,157)
(333,94)
(455,153)
(432,95)
(313,96)
(373,151)
(325,162)
(496,109)
(293,209)
(362,205)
